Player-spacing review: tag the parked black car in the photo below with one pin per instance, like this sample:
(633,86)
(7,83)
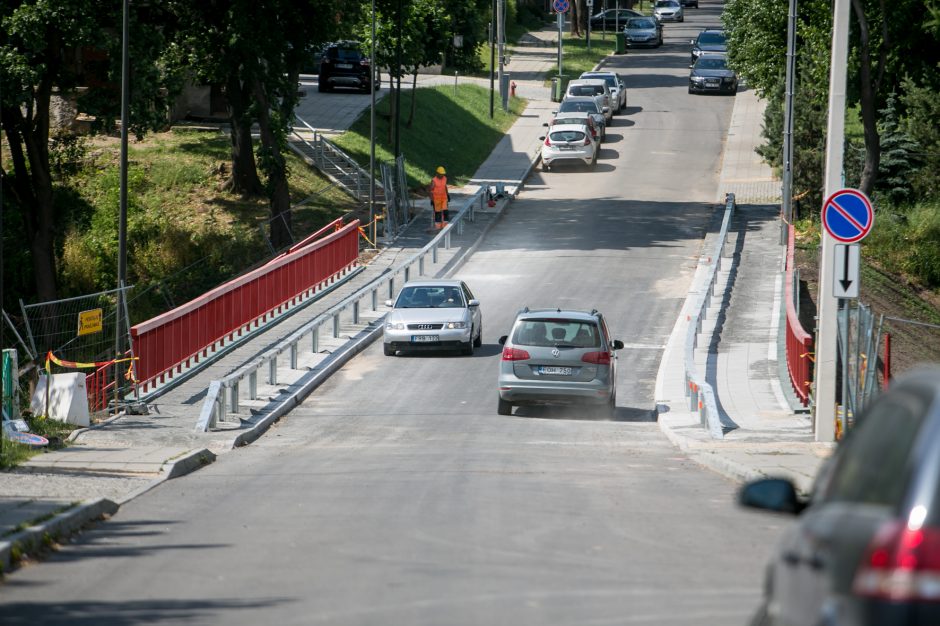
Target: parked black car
(709,41)
(689,3)
(712,74)
(344,64)
(866,549)
(610,20)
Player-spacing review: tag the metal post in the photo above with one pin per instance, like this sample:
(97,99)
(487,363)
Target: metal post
(844,332)
(407,273)
(501,43)
(825,377)
(336,326)
(253,385)
(315,340)
(788,125)
(122,216)
(293,356)
(375,299)
(233,396)
(272,370)
(492,59)
(372,68)
(421,266)
(356,312)
(561,25)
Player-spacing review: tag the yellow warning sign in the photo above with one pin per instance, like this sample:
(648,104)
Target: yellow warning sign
(89,322)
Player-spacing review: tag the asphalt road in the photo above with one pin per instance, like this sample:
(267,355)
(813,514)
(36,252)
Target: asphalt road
(396,495)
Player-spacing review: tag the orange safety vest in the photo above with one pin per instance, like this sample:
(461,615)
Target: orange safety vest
(439,188)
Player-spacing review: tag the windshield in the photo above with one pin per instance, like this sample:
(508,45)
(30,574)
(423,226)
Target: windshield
(666,3)
(585,90)
(430,297)
(711,39)
(556,332)
(567,135)
(711,63)
(641,22)
(582,106)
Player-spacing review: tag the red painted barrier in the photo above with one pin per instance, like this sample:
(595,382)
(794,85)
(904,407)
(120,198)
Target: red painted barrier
(799,342)
(97,388)
(191,330)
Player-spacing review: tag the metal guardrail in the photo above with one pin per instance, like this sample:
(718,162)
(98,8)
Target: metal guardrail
(700,393)
(799,343)
(224,394)
(326,153)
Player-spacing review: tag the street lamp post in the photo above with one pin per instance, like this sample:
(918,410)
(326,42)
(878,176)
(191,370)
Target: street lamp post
(122,218)
(372,68)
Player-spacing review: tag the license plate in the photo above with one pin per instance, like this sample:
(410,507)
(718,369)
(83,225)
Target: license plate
(424,339)
(344,66)
(555,371)
(566,147)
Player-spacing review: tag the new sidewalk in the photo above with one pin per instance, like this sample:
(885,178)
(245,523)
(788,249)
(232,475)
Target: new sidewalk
(766,431)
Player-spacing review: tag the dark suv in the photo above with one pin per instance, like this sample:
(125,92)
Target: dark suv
(343,64)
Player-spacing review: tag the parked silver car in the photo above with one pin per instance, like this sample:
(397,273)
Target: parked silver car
(596,87)
(668,11)
(618,89)
(643,31)
(433,315)
(554,356)
(568,142)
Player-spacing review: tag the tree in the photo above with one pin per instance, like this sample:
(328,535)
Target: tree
(38,40)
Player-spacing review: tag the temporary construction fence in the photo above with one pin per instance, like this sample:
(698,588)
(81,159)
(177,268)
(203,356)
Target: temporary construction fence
(181,337)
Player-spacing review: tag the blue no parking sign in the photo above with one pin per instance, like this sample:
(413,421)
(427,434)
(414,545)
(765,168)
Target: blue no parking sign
(560,6)
(847,215)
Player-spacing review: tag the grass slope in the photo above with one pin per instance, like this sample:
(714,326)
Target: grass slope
(455,132)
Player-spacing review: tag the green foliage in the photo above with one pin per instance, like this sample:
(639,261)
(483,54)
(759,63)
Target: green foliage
(908,243)
(454,131)
(898,157)
(921,101)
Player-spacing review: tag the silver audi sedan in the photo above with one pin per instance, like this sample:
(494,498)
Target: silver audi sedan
(433,315)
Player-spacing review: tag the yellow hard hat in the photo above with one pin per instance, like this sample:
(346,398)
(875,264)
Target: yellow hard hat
(440,170)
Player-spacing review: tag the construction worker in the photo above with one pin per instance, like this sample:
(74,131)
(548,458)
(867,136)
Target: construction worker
(439,198)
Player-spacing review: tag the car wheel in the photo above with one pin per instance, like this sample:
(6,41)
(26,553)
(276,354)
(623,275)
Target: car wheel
(388,350)
(504,407)
(479,340)
(321,87)
(690,90)
(546,167)
(467,348)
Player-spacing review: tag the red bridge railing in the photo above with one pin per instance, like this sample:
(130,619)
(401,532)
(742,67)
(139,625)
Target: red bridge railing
(173,339)
(799,342)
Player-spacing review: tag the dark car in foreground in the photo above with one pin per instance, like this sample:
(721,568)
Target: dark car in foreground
(866,549)
(712,74)
(344,64)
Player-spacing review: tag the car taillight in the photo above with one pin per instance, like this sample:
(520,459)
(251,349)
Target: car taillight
(515,354)
(587,140)
(364,62)
(597,358)
(548,142)
(901,564)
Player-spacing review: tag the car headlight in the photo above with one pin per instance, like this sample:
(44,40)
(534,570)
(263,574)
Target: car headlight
(698,79)
(453,325)
(394,326)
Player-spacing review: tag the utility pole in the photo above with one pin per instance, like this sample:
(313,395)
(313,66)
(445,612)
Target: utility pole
(122,219)
(788,126)
(501,42)
(397,120)
(826,327)
(492,58)
(373,66)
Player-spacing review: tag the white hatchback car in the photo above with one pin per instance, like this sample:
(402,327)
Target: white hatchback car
(567,142)
(433,315)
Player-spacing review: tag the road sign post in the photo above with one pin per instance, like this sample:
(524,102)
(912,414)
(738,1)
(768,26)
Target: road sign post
(590,5)
(845,273)
(561,7)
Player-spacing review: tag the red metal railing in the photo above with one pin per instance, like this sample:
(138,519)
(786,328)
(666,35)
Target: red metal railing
(97,388)
(189,331)
(799,342)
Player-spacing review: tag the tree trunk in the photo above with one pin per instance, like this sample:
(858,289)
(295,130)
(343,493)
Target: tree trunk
(414,95)
(275,167)
(868,90)
(576,18)
(32,182)
(244,178)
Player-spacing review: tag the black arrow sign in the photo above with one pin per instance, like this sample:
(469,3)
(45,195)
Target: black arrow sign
(845,281)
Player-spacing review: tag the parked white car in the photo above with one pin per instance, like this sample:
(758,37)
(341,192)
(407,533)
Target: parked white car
(596,88)
(568,142)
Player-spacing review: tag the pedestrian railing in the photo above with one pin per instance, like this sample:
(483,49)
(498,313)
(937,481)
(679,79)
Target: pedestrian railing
(224,395)
(799,343)
(700,393)
(334,163)
(174,340)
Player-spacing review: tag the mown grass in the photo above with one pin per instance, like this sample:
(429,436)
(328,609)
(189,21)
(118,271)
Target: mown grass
(575,57)
(453,131)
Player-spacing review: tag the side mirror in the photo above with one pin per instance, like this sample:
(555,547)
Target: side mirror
(389,303)
(771,494)
(692,41)
(618,345)
(606,109)
(692,66)
(554,112)
(542,138)
(502,340)
(545,124)
(474,302)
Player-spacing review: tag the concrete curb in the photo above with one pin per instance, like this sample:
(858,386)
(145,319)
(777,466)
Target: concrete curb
(188,463)
(34,538)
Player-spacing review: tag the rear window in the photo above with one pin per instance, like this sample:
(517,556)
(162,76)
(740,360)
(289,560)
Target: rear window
(711,39)
(345,53)
(556,332)
(585,90)
(582,106)
(566,135)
